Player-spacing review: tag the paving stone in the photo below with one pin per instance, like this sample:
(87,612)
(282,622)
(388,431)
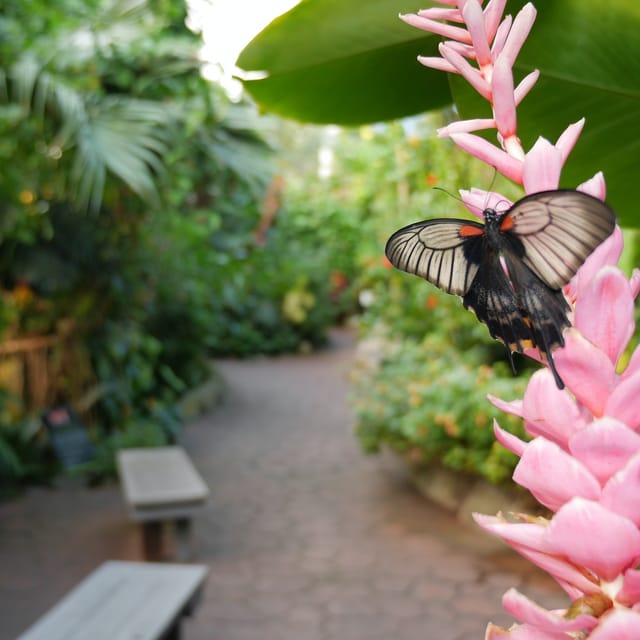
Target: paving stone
(392,583)
(433,590)
(363,626)
(305,614)
(477,601)
(281,583)
(402,607)
(306,538)
(350,605)
(225,609)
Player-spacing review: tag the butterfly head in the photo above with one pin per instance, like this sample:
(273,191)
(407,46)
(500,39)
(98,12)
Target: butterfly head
(491,216)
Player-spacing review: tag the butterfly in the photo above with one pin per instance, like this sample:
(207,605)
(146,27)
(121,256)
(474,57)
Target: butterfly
(511,270)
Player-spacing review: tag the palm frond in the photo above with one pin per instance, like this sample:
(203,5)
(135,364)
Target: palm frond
(39,91)
(126,137)
(245,158)
(117,23)
(237,144)
(123,136)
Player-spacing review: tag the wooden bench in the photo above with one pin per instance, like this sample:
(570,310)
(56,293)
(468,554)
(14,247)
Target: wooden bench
(124,601)
(161,485)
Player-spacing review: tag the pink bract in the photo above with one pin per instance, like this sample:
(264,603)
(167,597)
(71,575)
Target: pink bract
(582,461)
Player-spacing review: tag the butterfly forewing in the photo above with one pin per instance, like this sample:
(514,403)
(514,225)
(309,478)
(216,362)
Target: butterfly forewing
(444,252)
(559,229)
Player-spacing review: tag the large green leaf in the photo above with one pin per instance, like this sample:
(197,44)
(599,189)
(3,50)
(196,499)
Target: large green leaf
(330,61)
(349,62)
(590,67)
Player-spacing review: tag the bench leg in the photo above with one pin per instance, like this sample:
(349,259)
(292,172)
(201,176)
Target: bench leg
(152,547)
(174,633)
(182,528)
(153,540)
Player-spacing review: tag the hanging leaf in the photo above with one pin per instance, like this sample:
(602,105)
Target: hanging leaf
(125,137)
(346,62)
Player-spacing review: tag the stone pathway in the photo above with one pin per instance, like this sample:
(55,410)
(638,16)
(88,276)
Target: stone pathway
(306,537)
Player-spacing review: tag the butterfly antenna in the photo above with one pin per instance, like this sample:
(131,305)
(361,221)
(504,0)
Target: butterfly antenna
(459,199)
(490,190)
(493,180)
(455,197)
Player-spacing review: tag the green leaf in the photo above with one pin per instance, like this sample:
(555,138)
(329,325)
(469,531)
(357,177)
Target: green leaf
(344,62)
(330,61)
(121,135)
(592,71)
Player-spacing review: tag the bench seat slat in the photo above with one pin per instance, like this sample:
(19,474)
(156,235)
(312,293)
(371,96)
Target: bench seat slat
(122,601)
(157,477)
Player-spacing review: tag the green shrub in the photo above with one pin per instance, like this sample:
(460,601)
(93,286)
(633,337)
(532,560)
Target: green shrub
(287,292)
(24,454)
(136,432)
(427,401)
(425,393)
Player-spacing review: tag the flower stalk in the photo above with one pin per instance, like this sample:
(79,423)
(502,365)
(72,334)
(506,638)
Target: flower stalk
(583,459)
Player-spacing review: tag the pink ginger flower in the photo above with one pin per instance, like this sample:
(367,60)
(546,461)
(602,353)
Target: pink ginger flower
(583,462)
(492,44)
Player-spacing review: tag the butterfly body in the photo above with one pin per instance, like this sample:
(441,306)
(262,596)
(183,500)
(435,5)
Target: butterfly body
(510,271)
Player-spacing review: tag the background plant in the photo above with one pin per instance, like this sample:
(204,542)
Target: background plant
(133,223)
(340,79)
(423,391)
(568,465)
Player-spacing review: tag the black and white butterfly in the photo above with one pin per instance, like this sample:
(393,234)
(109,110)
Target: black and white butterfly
(543,240)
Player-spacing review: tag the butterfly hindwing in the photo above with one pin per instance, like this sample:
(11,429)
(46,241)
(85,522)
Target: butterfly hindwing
(493,300)
(444,252)
(544,310)
(521,311)
(558,230)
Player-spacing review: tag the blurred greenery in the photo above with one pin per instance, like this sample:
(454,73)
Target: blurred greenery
(426,364)
(331,62)
(148,223)
(143,228)
(427,402)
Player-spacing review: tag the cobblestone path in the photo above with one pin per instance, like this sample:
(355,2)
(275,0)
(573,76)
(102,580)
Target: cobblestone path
(307,539)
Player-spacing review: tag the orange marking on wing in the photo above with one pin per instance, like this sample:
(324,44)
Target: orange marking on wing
(506,223)
(467,230)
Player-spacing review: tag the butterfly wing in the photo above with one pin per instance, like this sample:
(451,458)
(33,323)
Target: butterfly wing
(521,313)
(558,230)
(544,310)
(544,239)
(446,252)
(492,298)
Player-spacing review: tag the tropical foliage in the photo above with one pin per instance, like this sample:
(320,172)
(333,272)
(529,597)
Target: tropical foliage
(352,80)
(420,384)
(135,232)
(146,225)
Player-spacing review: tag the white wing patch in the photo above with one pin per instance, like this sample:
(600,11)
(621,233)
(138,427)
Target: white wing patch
(559,230)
